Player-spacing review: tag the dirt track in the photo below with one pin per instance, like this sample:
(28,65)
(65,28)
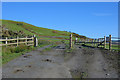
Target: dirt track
(57,63)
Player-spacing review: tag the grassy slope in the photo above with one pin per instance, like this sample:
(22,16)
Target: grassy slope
(40,32)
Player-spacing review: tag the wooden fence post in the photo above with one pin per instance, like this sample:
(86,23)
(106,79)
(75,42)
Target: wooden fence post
(33,38)
(85,41)
(98,41)
(70,41)
(104,42)
(6,41)
(17,40)
(95,42)
(35,41)
(26,40)
(110,42)
(92,42)
(80,40)
(76,40)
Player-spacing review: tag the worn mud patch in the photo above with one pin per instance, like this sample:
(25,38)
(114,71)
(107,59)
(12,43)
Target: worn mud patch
(29,66)
(111,58)
(68,54)
(88,51)
(27,56)
(47,60)
(79,73)
(18,70)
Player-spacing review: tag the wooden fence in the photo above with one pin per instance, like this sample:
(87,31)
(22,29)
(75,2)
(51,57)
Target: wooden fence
(99,42)
(29,41)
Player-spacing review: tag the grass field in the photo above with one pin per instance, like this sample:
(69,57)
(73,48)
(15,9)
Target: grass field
(29,29)
(11,52)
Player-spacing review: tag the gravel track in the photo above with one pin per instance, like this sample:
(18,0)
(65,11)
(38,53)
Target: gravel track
(56,63)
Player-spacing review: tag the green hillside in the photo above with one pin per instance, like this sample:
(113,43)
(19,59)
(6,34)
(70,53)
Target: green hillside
(14,28)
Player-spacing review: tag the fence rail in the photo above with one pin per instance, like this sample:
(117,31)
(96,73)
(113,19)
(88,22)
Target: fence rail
(16,41)
(105,42)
